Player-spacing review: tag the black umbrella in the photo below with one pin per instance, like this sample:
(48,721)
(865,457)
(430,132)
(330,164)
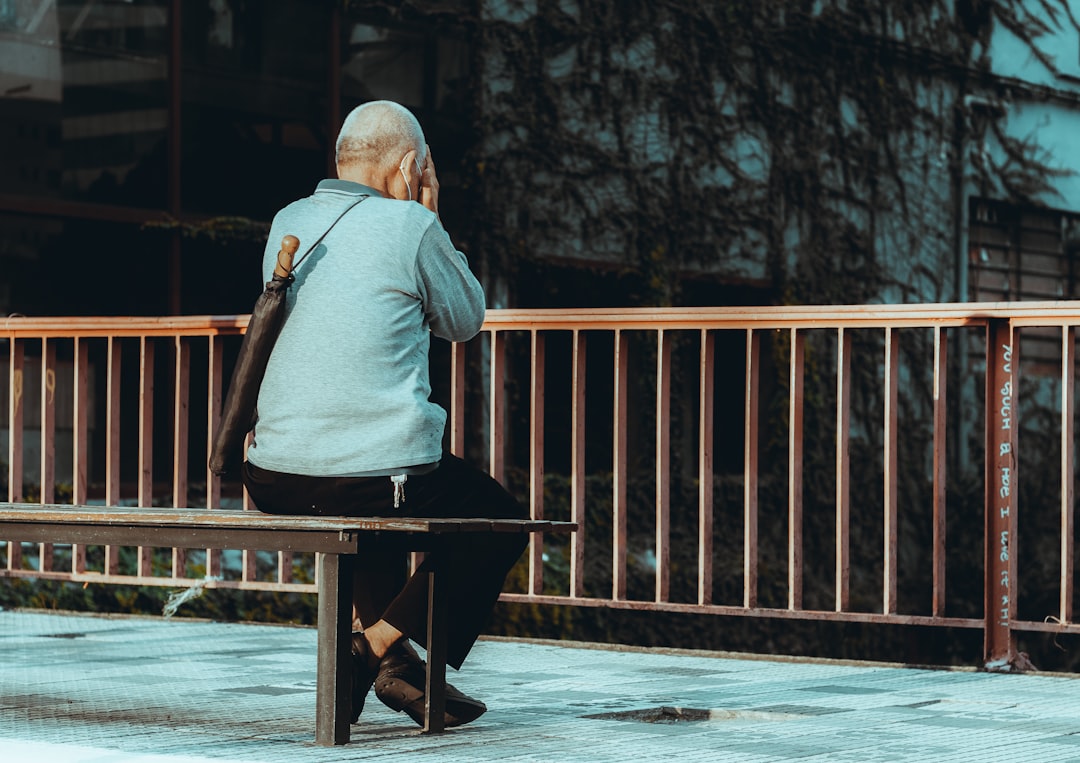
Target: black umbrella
(238,416)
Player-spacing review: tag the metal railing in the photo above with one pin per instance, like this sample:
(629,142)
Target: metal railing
(690,424)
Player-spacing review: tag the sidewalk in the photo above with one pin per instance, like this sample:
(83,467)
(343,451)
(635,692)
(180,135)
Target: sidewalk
(76,688)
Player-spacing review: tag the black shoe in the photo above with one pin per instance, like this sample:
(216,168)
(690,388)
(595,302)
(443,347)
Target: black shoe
(363,673)
(400,686)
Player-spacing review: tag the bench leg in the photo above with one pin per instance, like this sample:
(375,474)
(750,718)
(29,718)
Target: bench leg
(435,689)
(334,672)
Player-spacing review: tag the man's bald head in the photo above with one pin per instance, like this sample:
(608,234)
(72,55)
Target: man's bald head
(376,135)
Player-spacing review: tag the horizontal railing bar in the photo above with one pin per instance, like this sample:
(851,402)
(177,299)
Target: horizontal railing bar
(788,316)
(1044,627)
(721,609)
(1055,313)
(25,327)
(172,582)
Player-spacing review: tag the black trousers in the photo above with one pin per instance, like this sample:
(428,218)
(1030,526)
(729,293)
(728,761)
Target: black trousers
(475,568)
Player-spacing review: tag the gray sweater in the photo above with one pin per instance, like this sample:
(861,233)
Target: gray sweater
(346,389)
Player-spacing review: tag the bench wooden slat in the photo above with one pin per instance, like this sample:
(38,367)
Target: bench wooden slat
(207,519)
(221,528)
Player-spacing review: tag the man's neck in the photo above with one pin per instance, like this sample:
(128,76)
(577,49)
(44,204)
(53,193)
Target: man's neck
(364,177)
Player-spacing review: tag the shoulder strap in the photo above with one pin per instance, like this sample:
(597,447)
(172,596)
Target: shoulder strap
(318,241)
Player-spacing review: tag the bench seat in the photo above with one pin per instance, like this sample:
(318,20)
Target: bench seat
(335,540)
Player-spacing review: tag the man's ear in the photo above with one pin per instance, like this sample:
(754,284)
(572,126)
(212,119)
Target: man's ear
(402,182)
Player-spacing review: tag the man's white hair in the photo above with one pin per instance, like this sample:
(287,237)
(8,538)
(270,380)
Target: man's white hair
(378,134)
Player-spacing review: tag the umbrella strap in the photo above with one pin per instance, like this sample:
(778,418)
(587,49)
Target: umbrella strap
(320,238)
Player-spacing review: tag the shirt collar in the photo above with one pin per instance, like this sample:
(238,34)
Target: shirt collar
(346,186)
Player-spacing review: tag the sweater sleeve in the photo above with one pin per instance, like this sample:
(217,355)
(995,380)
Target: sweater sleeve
(452,298)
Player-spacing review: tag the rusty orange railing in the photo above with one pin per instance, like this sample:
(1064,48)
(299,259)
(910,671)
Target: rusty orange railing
(657,370)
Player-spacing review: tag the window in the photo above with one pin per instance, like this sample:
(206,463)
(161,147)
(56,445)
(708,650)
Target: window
(1019,253)
(1024,254)
(83,96)
(254,114)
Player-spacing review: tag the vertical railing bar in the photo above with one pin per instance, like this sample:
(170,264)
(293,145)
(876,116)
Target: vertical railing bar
(144,554)
(892,363)
(663,465)
(706,381)
(940,478)
(146,422)
(497,407)
(843,469)
(795,470)
(215,357)
(15,441)
(750,469)
(16,407)
(619,465)
(112,441)
(181,391)
(284,567)
(1068,469)
(80,422)
(457,399)
(112,422)
(248,571)
(536,461)
(80,440)
(47,489)
(577,467)
(144,559)
(48,423)
(181,398)
(457,429)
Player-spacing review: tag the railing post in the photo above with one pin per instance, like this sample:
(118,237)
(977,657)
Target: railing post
(1000,503)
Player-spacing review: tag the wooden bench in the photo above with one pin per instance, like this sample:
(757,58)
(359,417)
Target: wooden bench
(336,540)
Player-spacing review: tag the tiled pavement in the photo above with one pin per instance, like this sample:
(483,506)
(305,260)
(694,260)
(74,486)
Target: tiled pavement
(117,690)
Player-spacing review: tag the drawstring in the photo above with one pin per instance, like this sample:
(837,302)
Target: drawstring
(399,481)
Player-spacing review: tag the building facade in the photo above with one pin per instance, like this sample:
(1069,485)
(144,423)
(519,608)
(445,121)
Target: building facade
(146,144)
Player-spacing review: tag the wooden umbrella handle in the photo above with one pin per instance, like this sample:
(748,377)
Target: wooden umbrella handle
(285,255)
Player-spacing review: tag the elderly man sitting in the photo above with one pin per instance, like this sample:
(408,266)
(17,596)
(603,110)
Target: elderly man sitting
(345,425)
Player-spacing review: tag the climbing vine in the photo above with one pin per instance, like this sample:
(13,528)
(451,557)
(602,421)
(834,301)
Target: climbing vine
(821,147)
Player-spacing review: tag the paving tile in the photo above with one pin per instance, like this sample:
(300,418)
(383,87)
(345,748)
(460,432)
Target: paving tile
(84,689)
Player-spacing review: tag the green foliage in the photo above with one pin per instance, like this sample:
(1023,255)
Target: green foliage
(222,230)
(215,604)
